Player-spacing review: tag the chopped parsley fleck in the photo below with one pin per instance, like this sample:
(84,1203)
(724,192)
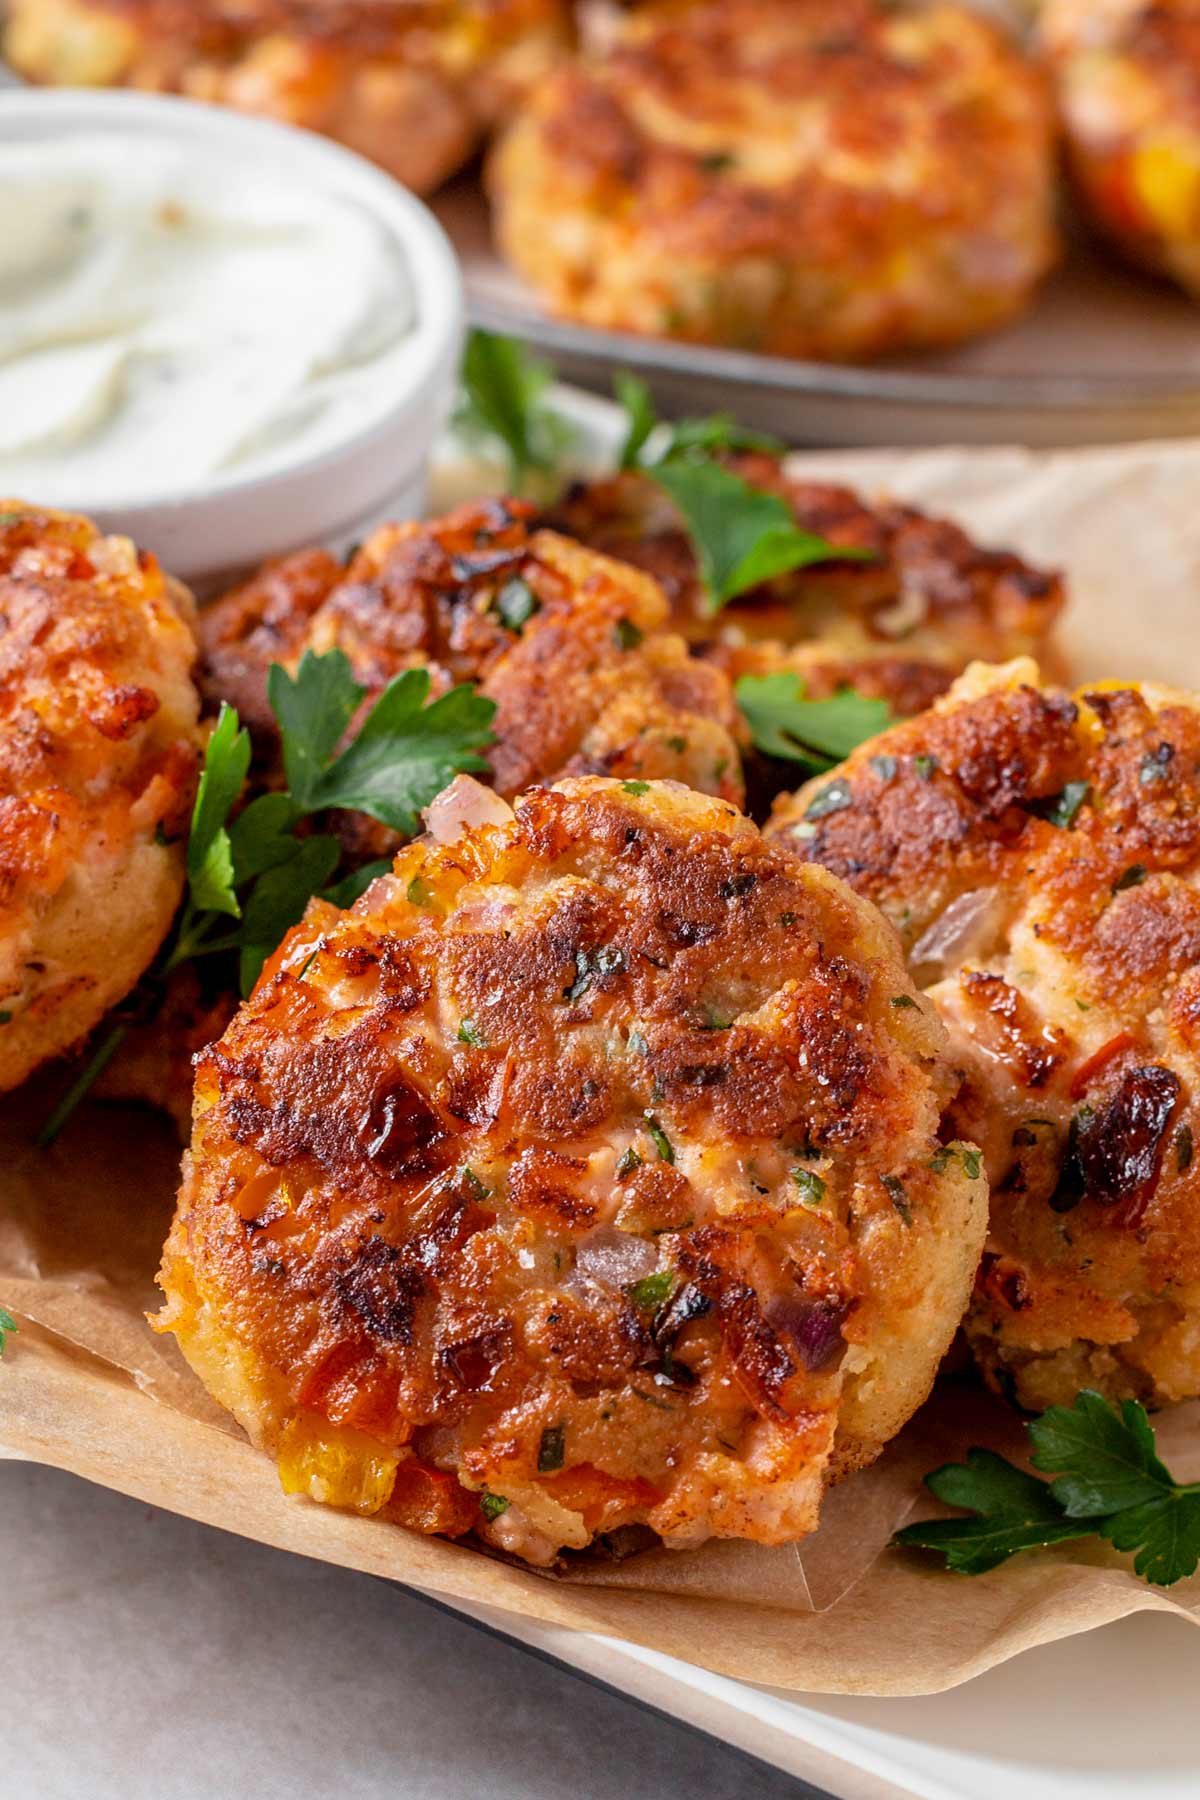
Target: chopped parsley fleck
(551,1450)
(1067,804)
(6,1017)
(659,1138)
(492,1505)
(1154,764)
(627,634)
(629,1161)
(516,604)
(594,965)
(787,918)
(715,1021)
(1133,877)
(418,894)
(635,787)
(926,766)
(833,797)
(899,1000)
(714,162)
(469,1033)
(971,1164)
(896,1194)
(811,1186)
(470,1180)
(884,767)
(648,1295)
(678,744)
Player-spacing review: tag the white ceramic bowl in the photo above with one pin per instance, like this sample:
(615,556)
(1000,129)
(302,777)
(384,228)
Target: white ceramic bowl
(229,524)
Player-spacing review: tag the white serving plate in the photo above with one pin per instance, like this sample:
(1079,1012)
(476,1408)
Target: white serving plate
(1098,1717)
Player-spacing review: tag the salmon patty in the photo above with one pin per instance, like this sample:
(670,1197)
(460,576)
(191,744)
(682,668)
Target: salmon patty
(898,625)
(584,1176)
(812,178)
(413,84)
(98,761)
(573,647)
(1128,80)
(1039,853)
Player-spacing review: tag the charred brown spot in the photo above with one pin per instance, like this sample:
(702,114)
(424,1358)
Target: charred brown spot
(381,1288)
(1119,1148)
(401,1134)
(1032,1050)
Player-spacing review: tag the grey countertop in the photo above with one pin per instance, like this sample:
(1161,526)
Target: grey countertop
(148,1658)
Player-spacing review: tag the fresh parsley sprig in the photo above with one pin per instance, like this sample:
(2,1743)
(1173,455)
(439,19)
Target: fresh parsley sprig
(742,535)
(258,869)
(8,1328)
(1110,1483)
(784,722)
(251,873)
(504,401)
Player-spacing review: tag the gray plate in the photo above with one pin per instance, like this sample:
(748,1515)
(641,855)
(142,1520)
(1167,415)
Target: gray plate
(1105,356)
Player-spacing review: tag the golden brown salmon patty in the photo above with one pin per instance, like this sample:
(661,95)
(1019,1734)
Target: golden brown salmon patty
(1128,78)
(98,756)
(1040,855)
(410,83)
(816,178)
(584,1175)
(572,647)
(899,625)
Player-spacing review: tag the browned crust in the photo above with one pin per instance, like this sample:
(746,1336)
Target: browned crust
(1075,1007)
(98,762)
(385,1218)
(930,598)
(589,683)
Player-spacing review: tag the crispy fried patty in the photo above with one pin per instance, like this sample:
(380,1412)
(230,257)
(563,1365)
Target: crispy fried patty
(829,178)
(98,754)
(585,1175)
(410,83)
(1128,80)
(898,626)
(571,646)
(1040,854)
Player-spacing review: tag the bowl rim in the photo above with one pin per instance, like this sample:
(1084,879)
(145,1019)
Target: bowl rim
(430,259)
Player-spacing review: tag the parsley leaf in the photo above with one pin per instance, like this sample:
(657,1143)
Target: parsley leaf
(209,854)
(250,877)
(1107,1458)
(1013,1511)
(505,401)
(741,535)
(818,733)
(641,418)
(709,436)
(8,1327)
(403,753)
(1110,1483)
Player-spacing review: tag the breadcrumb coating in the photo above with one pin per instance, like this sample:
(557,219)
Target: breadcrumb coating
(413,84)
(574,648)
(811,178)
(584,1176)
(898,626)
(98,759)
(1039,852)
(1128,81)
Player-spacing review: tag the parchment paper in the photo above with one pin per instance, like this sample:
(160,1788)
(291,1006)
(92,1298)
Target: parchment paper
(86,1387)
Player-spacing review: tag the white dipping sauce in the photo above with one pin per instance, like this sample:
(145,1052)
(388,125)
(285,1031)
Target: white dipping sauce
(169,322)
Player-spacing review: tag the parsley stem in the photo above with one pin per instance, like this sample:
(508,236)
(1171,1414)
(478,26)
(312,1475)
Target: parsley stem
(80,1087)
